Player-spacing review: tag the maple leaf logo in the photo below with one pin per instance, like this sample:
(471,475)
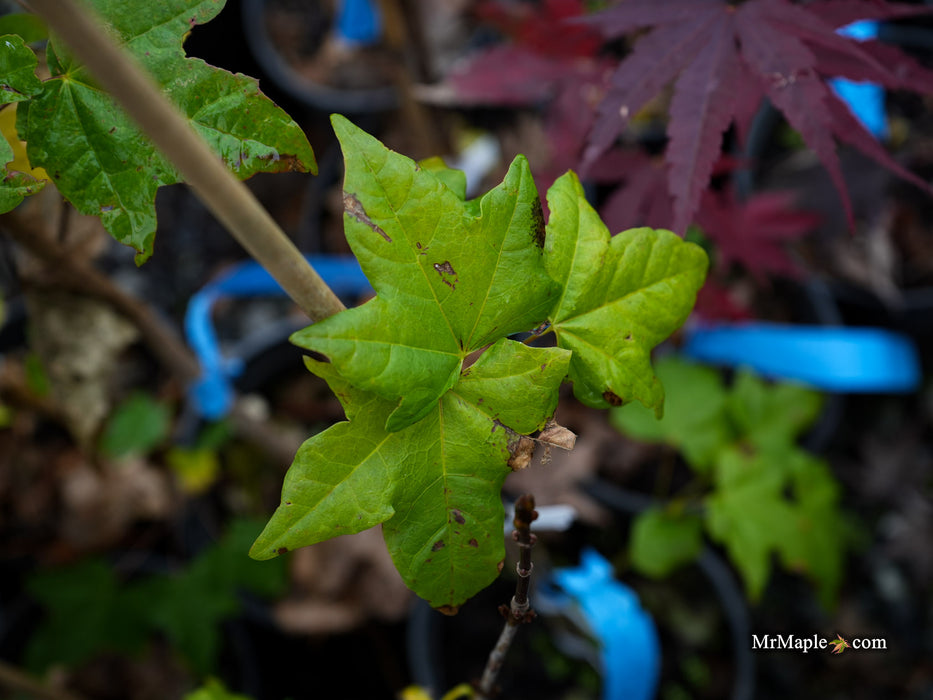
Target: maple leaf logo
(839,644)
(723,58)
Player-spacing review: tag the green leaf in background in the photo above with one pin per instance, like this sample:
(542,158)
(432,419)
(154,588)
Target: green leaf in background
(694,413)
(100,161)
(434,485)
(18,80)
(621,296)
(662,540)
(771,415)
(779,503)
(213,689)
(749,515)
(136,426)
(87,612)
(449,278)
(769,498)
(454,179)
(28,26)
(196,468)
(37,379)
(190,605)
(818,547)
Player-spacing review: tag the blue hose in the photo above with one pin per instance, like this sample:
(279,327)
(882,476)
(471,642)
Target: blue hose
(212,395)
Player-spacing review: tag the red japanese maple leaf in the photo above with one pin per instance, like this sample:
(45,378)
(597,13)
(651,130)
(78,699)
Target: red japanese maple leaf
(545,61)
(716,302)
(723,58)
(753,233)
(543,51)
(642,199)
(541,27)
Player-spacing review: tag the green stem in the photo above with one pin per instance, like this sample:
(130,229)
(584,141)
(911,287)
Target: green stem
(227,198)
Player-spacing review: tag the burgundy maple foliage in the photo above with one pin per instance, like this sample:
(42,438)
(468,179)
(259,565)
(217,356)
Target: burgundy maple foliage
(724,57)
(546,59)
(753,233)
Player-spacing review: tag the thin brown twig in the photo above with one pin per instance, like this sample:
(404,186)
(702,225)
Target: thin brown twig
(519,610)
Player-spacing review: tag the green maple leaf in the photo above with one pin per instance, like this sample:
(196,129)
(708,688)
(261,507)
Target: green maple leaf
(434,485)
(190,605)
(18,80)
(820,533)
(771,415)
(749,515)
(663,540)
(694,413)
(782,503)
(97,157)
(450,276)
(87,611)
(621,296)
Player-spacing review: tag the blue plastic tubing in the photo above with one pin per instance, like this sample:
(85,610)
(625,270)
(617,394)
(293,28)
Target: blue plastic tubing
(211,396)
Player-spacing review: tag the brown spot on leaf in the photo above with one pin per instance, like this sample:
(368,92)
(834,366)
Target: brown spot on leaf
(611,398)
(537,223)
(281,550)
(353,207)
(445,268)
(521,451)
(437,545)
(290,164)
(628,337)
(473,542)
(458,516)
(500,565)
(448,610)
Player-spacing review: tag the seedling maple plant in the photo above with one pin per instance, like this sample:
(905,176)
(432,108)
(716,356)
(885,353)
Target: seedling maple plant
(430,439)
